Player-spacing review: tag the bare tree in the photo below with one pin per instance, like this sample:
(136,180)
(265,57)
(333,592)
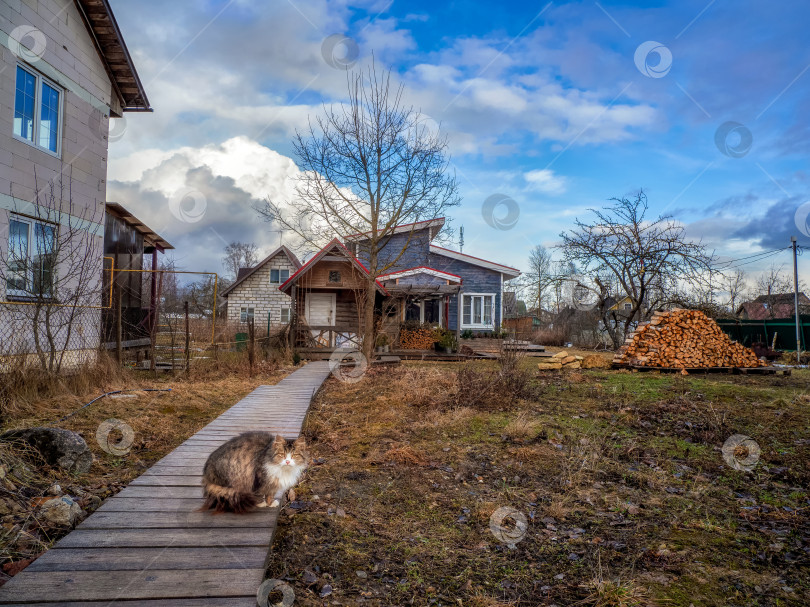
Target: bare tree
(367,166)
(52,274)
(735,285)
(240,255)
(539,277)
(643,257)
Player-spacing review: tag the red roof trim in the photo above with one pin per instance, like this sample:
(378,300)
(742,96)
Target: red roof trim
(472,257)
(420,268)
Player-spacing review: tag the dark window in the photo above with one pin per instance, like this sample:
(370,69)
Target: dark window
(334,276)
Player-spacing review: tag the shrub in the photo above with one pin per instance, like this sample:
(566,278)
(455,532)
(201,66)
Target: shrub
(467,334)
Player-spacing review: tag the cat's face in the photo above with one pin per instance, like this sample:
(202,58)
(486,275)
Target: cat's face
(290,455)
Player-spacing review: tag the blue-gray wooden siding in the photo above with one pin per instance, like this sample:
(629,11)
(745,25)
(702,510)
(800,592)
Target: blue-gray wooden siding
(475,278)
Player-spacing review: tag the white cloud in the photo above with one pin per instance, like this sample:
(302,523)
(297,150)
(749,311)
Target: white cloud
(545,182)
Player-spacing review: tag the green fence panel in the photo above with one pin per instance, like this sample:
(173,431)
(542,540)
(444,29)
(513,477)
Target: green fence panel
(748,332)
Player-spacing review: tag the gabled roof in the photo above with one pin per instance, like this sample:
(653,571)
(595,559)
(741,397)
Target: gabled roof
(333,244)
(420,270)
(476,261)
(405,227)
(243,276)
(151,237)
(103,29)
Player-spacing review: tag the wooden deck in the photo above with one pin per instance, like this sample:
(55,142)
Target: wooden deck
(148,545)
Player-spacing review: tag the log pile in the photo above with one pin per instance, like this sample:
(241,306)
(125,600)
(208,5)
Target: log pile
(561,360)
(683,339)
(417,339)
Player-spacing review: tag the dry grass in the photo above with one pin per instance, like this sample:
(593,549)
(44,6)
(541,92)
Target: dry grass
(614,468)
(523,427)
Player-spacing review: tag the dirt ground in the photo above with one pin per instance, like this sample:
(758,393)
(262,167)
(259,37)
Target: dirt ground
(627,497)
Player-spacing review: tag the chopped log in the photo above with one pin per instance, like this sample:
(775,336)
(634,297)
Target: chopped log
(683,339)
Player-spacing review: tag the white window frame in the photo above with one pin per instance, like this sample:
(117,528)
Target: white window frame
(472,325)
(28,292)
(38,111)
(288,310)
(246,313)
(280,280)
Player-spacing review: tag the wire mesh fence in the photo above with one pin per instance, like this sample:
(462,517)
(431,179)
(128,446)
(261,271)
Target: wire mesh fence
(145,319)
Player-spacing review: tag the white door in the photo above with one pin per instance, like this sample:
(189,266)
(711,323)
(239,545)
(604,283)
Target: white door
(320,309)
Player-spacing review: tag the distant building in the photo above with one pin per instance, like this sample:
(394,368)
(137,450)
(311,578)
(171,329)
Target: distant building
(773,305)
(255,295)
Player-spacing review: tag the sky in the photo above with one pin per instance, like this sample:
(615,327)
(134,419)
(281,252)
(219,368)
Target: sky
(554,108)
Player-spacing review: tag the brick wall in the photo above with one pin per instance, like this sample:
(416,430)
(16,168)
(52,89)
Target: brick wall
(258,293)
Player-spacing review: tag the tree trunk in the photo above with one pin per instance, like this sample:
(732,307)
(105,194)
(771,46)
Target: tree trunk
(368,319)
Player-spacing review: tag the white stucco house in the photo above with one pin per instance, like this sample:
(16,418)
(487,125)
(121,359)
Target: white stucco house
(64,71)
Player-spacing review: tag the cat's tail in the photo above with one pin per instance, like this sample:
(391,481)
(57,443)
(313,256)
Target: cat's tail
(226,499)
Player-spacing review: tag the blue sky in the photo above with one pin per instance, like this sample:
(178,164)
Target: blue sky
(551,104)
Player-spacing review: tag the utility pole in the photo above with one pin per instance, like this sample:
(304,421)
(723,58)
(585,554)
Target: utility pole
(461,239)
(796,303)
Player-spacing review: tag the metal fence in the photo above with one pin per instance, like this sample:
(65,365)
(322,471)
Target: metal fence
(779,333)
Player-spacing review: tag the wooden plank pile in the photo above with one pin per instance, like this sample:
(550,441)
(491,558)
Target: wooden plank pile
(683,339)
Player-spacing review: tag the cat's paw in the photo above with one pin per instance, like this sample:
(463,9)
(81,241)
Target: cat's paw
(262,504)
(274,504)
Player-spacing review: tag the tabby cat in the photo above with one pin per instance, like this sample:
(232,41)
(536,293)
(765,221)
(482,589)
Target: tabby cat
(250,470)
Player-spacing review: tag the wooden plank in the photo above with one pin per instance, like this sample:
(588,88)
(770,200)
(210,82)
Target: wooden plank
(244,601)
(160,491)
(192,519)
(147,504)
(123,585)
(127,559)
(155,538)
(168,480)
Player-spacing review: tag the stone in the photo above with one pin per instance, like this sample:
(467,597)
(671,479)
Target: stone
(61,511)
(544,366)
(59,447)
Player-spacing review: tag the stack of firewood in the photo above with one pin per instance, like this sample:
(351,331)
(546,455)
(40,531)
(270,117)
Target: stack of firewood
(417,339)
(683,339)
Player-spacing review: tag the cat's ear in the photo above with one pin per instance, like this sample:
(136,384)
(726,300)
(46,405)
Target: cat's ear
(279,444)
(300,443)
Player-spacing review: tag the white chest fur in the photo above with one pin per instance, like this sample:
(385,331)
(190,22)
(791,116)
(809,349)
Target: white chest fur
(286,475)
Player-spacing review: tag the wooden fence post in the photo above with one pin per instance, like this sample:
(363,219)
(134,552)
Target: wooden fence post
(188,351)
(119,350)
(251,344)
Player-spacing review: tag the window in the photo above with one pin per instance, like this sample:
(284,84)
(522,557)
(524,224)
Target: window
(477,311)
(628,306)
(278,277)
(285,315)
(31,257)
(245,315)
(37,108)
(334,276)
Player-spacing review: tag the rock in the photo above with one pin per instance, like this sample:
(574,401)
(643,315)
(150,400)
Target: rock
(55,490)
(326,590)
(57,446)
(309,577)
(61,511)
(361,574)
(544,366)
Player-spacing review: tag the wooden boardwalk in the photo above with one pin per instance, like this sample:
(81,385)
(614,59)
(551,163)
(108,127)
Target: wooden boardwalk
(147,545)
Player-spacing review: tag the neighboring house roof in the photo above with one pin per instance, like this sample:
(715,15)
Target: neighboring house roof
(333,244)
(420,270)
(103,29)
(405,227)
(242,276)
(152,238)
(776,305)
(476,261)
